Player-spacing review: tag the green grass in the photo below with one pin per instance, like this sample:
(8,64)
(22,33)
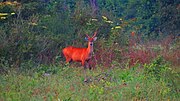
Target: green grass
(66,84)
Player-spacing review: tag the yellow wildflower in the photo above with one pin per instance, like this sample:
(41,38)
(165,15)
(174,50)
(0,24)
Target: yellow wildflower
(118,27)
(3,14)
(3,17)
(120,19)
(104,17)
(94,19)
(12,13)
(109,21)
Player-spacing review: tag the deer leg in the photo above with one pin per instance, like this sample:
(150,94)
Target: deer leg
(88,64)
(84,65)
(68,59)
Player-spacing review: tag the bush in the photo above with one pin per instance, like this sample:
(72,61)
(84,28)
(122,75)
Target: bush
(158,68)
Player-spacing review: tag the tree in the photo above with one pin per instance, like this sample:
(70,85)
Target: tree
(94,7)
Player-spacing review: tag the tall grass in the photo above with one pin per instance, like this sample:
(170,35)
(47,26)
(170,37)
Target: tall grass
(66,84)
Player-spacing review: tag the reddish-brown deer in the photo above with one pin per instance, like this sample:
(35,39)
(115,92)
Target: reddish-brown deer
(82,55)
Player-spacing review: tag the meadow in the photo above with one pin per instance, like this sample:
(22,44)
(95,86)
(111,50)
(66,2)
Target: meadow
(156,81)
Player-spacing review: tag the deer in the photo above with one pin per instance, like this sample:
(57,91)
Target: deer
(83,55)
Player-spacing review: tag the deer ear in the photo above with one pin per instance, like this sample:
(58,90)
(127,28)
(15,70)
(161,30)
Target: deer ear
(95,38)
(86,38)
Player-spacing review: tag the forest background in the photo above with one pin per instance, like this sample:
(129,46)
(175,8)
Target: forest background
(131,34)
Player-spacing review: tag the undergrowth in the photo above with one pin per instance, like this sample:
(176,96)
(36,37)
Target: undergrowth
(155,82)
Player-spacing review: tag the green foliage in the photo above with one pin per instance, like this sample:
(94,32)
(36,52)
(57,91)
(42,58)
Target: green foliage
(104,84)
(37,30)
(160,70)
(157,68)
(33,33)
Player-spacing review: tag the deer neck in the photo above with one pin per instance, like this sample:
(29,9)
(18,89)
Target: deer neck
(90,48)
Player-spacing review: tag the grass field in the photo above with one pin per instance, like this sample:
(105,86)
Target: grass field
(136,56)
(63,83)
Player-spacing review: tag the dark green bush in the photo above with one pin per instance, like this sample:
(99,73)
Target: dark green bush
(39,29)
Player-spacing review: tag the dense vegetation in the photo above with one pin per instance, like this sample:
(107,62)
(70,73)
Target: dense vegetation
(136,56)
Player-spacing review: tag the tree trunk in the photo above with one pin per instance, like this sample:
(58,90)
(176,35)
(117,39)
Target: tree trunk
(94,7)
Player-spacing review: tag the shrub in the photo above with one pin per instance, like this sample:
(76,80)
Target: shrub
(157,68)
(161,71)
